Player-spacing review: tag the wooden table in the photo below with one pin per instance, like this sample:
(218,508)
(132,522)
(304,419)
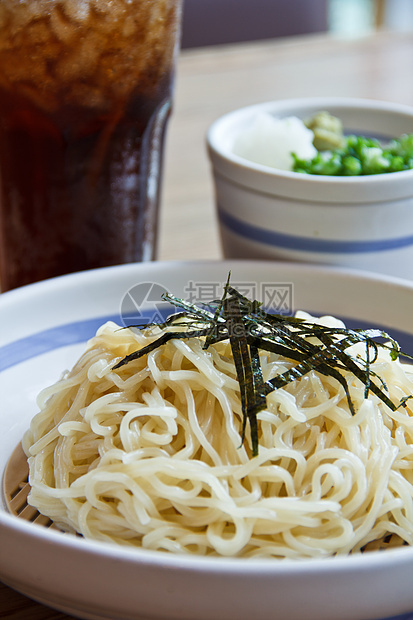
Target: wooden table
(213,81)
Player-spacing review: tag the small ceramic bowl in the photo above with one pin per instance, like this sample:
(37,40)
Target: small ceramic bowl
(361,222)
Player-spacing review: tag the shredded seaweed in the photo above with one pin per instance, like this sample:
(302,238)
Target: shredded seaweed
(250,329)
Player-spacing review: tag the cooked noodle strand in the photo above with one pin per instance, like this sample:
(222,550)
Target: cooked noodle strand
(150,454)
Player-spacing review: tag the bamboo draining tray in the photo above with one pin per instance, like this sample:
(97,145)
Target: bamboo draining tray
(16,489)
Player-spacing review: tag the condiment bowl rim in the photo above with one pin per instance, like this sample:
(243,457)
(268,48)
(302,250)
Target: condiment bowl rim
(219,150)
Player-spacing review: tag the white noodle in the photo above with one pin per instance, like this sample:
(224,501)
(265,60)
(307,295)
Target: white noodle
(150,454)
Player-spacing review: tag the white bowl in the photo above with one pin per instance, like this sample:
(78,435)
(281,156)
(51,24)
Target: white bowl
(363,222)
(44,329)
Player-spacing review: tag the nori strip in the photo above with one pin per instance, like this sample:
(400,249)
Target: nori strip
(249,328)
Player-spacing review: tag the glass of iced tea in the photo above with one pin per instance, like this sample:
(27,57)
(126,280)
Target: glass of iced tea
(85,94)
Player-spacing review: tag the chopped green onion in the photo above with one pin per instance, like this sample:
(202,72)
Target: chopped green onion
(360,156)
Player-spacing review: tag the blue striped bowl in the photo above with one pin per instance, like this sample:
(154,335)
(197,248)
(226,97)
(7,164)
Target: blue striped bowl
(360,222)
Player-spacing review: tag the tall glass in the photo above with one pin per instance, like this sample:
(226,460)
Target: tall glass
(85,93)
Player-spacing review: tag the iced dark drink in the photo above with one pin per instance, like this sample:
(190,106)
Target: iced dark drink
(85,93)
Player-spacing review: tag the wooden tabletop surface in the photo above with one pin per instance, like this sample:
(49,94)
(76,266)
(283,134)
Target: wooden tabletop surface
(213,81)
